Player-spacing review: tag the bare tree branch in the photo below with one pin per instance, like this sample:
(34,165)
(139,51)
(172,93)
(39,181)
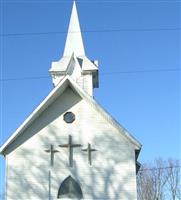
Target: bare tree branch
(159,181)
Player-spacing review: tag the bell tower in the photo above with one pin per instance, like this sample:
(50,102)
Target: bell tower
(74,61)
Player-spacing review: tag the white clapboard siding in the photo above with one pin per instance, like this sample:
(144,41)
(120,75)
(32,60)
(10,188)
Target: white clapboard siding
(112,175)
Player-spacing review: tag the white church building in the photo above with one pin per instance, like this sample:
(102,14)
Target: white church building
(70,147)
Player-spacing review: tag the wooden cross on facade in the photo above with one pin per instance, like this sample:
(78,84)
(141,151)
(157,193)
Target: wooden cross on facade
(52,151)
(89,150)
(70,147)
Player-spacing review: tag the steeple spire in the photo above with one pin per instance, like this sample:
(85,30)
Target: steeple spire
(74,43)
(74,62)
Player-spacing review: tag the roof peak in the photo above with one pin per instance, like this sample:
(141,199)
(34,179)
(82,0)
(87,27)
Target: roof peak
(74,42)
(57,91)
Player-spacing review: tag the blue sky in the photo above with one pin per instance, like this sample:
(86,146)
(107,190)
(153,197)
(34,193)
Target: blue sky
(138,47)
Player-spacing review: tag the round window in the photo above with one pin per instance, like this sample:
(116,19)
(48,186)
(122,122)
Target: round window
(69,117)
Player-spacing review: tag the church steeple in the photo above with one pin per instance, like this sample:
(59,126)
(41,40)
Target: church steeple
(74,61)
(74,43)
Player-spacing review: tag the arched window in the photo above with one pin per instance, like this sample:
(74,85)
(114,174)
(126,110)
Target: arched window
(69,189)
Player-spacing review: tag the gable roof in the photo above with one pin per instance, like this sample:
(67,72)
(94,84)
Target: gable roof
(58,90)
(64,62)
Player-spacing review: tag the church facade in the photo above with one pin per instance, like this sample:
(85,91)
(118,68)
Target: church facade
(70,147)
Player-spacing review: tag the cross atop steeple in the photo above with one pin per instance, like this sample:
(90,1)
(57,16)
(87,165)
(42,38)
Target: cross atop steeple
(74,43)
(74,61)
